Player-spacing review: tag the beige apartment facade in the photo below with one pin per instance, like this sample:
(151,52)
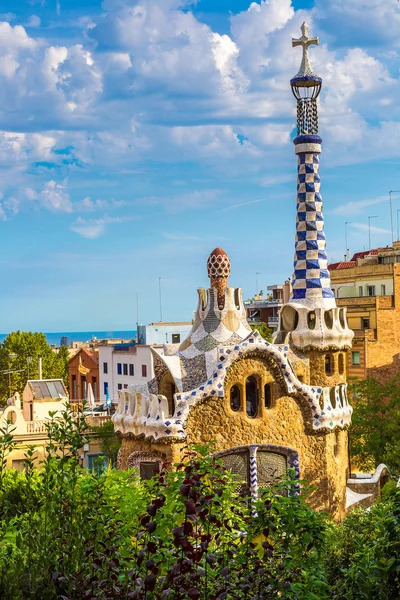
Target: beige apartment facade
(368,286)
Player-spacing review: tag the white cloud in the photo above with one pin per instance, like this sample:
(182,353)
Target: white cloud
(93,228)
(355,207)
(372,228)
(148,81)
(33,21)
(54,197)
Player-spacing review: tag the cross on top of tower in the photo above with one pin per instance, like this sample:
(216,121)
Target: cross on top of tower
(305,67)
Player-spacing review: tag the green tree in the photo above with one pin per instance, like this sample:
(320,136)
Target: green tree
(375,431)
(20,352)
(109,442)
(263,329)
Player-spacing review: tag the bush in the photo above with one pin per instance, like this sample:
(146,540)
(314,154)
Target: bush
(186,534)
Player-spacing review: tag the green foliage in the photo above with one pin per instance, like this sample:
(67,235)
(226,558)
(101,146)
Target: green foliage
(24,344)
(363,563)
(69,534)
(263,329)
(375,431)
(109,442)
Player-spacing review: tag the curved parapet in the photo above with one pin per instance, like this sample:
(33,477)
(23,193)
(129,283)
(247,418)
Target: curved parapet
(329,406)
(309,327)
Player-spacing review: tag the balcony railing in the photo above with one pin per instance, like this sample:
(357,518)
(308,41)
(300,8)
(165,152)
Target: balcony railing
(36,426)
(259,303)
(273,320)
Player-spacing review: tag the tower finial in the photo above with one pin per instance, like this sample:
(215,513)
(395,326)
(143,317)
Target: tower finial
(306,86)
(219,268)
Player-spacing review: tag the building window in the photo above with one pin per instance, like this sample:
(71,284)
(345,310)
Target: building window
(125,386)
(383,290)
(105,367)
(364,323)
(341,364)
(131,370)
(251,397)
(360,291)
(94,387)
(84,388)
(370,290)
(336,443)
(147,470)
(176,338)
(120,386)
(119,369)
(267,396)
(144,370)
(105,388)
(96,463)
(328,364)
(125,369)
(355,358)
(235,398)
(74,387)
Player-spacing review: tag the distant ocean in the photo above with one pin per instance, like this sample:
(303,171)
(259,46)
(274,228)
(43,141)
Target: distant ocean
(83,336)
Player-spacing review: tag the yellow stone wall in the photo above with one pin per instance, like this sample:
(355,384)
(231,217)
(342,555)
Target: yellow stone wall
(323,457)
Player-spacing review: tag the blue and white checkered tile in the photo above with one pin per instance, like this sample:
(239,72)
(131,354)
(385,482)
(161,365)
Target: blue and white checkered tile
(311,276)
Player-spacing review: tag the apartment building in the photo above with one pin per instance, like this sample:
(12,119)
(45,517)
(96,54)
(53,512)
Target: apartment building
(369,287)
(121,366)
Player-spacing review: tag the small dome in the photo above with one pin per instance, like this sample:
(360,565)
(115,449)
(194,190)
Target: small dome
(218,264)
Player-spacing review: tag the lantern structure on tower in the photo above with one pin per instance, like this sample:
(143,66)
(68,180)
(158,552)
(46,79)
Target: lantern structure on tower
(306,87)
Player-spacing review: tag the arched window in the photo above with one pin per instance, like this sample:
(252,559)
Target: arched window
(341,364)
(332,395)
(251,396)
(328,364)
(336,443)
(267,396)
(171,399)
(235,398)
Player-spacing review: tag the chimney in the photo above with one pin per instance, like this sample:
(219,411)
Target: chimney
(40,375)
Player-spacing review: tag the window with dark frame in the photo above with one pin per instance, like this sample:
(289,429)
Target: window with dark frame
(131,370)
(119,368)
(105,367)
(147,470)
(125,368)
(251,397)
(267,396)
(144,370)
(176,338)
(364,323)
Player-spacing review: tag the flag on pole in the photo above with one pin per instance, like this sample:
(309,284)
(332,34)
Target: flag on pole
(82,370)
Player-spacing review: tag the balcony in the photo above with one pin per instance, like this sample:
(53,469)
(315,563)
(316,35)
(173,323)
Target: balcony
(273,321)
(264,303)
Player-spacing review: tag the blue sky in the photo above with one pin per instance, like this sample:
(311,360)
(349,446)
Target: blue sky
(137,135)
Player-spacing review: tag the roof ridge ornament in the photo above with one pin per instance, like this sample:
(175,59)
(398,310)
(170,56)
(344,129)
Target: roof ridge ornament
(306,86)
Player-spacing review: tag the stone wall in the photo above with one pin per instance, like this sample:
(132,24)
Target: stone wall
(323,457)
(213,421)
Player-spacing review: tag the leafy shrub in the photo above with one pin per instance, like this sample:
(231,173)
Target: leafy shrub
(185,534)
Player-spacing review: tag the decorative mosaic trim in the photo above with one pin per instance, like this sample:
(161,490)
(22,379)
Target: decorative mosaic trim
(301,148)
(150,412)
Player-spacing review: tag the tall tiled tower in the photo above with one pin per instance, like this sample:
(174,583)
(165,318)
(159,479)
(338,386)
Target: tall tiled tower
(311,321)
(263,407)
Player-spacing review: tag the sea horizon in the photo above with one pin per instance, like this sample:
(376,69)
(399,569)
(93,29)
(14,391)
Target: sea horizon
(54,337)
